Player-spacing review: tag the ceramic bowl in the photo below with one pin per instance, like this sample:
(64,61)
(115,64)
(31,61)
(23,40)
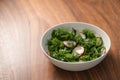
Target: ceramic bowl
(79,26)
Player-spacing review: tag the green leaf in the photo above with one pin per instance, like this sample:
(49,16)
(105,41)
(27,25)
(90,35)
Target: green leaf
(78,39)
(93,45)
(99,41)
(88,33)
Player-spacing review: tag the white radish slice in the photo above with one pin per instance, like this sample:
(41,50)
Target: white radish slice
(82,35)
(78,51)
(104,51)
(69,43)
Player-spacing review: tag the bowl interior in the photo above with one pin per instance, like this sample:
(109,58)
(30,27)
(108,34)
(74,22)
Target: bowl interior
(79,26)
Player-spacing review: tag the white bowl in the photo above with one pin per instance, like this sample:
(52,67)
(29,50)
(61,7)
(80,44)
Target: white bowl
(79,26)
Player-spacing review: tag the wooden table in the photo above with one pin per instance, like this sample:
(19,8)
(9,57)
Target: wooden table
(22,22)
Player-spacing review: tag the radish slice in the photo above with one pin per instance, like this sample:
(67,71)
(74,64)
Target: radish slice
(104,51)
(69,43)
(82,35)
(78,51)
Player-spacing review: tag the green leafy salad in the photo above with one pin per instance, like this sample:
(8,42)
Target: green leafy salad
(74,46)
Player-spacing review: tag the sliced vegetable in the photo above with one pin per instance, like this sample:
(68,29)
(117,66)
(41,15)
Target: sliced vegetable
(82,35)
(69,44)
(78,51)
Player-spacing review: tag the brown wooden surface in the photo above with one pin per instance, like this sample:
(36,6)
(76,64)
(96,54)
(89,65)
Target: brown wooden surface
(22,22)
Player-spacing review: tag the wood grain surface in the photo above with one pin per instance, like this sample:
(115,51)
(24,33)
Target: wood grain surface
(22,23)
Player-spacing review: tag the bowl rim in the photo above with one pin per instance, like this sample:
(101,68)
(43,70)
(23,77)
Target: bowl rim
(45,52)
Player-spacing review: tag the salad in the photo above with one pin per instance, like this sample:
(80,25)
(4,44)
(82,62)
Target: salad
(74,46)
